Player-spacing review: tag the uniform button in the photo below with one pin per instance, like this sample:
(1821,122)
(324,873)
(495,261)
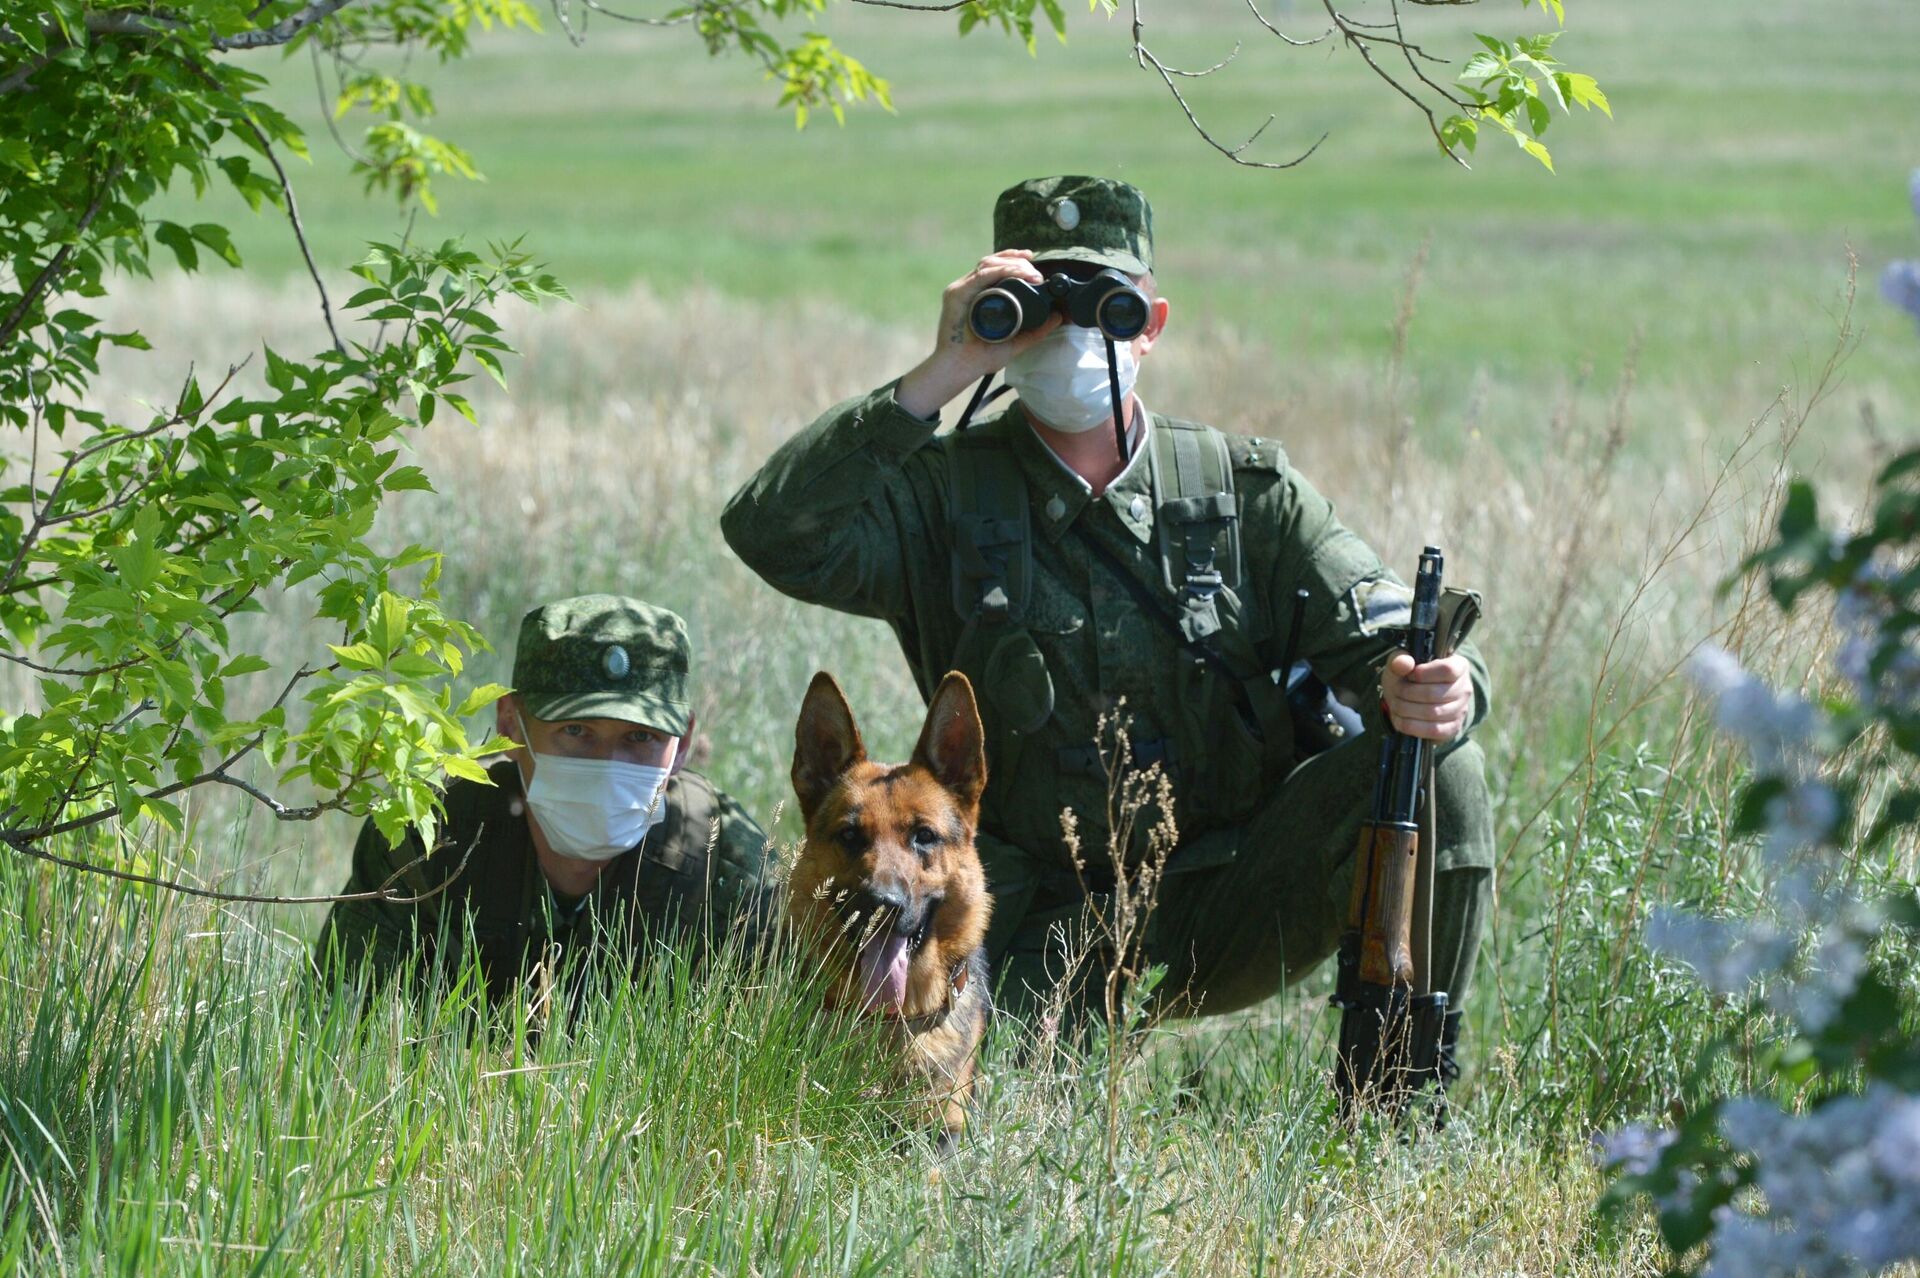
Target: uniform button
(1137,508)
(1055,507)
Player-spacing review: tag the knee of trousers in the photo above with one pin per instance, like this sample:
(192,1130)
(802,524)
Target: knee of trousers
(1463,810)
(1462,904)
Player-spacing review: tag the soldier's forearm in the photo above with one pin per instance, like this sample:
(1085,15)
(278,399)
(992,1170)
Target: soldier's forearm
(816,521)
(931,384)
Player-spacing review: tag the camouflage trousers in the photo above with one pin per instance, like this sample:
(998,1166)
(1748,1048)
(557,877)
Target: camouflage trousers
(1245,912)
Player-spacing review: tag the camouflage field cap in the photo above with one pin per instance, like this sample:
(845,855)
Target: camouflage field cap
(604,657)
(1077,219)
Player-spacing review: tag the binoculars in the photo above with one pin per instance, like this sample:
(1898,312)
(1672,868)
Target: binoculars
(1108,301)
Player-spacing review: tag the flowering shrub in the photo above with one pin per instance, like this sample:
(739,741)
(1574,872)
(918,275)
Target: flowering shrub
(1817,1170)
(1901,280)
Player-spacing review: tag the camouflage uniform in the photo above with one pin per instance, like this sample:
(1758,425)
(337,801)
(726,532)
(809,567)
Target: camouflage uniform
(702,868)
(859,512)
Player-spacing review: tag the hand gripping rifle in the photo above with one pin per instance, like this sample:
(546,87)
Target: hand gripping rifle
(1390,1014)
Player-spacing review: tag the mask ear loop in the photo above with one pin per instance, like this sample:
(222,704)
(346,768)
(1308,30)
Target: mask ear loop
(1113,386)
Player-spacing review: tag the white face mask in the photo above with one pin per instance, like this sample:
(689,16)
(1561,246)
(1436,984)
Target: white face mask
(1063,378)
(595,809)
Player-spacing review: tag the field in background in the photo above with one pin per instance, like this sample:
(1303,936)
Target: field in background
(1573,388)
(1753,143)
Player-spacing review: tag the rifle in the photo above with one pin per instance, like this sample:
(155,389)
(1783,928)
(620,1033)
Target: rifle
(1390,1016)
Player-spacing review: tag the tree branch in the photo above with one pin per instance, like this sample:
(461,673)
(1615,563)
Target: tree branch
(299,234)
(1359,41)
(383,894)
(948,7)
(43,518)
(1298,44)
(1144,57)
(126,22)
(20,840)
(57,265)
(117,22)
(17,78)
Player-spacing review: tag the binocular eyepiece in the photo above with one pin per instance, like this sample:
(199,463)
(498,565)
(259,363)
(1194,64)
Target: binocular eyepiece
(1108,301)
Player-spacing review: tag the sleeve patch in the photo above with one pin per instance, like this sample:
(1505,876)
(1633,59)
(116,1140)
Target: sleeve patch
(1380,604)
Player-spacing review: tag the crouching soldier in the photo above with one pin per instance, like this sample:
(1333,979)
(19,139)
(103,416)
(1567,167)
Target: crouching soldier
(1076,568)
(593,842)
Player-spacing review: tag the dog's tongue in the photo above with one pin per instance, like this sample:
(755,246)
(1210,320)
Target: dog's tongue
(883,972)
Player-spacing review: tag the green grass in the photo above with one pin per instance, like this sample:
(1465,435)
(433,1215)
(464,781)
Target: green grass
(1752,146)
(180,1098)
(177,1096)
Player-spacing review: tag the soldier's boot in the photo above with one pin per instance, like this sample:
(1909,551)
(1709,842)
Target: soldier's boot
(1449,1067)
(1446,1066)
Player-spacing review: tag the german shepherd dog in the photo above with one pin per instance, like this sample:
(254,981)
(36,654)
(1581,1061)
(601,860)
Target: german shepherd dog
(888,891)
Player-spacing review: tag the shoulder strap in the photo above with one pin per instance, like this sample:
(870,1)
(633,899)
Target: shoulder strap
(990,529)
(1197,520)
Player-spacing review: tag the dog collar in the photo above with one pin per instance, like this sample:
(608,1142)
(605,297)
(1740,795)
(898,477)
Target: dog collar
(956,984)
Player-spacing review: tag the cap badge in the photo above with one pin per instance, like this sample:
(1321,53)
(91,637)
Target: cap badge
(1066,214)
(615,661)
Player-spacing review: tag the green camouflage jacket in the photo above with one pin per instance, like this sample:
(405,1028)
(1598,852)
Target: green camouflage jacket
(703,867)
(854,513)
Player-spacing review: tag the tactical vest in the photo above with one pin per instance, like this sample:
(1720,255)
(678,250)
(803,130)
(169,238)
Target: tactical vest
(1232,738)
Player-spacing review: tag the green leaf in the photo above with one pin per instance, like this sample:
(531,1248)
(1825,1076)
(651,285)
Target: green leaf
(245,664)
(389,626)
(1538,116)
(358,656)
(1584,90)
(1800,514)
(466,769)
(479,699)
(407,479)
(1459,131)
(180,240)
(216,238)
(1482,66)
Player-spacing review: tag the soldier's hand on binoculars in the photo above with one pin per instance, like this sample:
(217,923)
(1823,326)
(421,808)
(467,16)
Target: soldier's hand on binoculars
(959,358)
(1434,701)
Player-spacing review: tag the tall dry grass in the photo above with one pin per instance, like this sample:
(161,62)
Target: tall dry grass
(1598,523)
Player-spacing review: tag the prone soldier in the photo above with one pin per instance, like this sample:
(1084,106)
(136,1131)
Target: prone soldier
(593,836)
(1068,578)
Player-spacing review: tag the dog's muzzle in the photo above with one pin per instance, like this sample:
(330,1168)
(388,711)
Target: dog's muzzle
(875,909)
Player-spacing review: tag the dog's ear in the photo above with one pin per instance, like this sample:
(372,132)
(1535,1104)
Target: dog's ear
(825,742)
(952,743)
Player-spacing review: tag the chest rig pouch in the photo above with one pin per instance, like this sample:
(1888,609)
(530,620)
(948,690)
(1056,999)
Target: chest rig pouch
(991,536)
(1226,714)
(1197,524)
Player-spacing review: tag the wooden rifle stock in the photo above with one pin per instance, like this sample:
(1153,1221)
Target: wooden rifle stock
(1380,908)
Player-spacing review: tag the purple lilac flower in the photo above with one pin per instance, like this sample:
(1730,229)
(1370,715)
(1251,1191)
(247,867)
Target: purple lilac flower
(1841,1186)
(1728,955)
(1900,284)
(1802,817)
(1777,728)
(1634,1149)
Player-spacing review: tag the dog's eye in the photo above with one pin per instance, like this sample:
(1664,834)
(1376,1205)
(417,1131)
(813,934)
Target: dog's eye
(925,839)
(853,839)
